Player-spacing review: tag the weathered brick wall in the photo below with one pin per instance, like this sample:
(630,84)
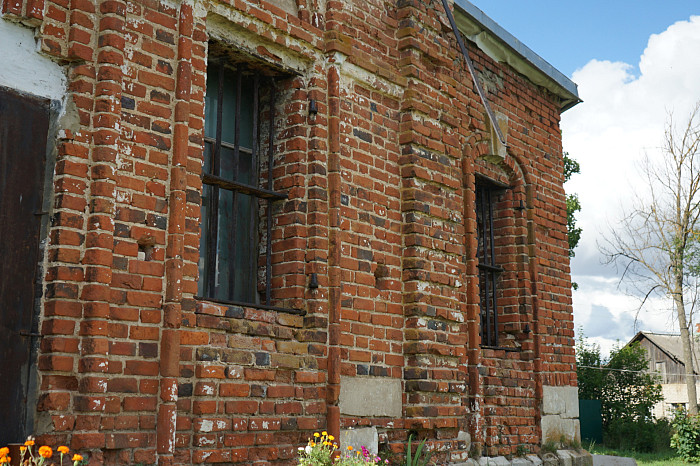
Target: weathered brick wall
(381,194)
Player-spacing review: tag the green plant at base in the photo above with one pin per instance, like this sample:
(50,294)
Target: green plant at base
(550,446)
(686,439)
(522,450)
(417,458)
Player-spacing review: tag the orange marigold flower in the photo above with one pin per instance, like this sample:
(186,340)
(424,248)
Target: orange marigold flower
(63,449)
(29,443)
(77,457)
(4,451)
(45,451)
(350,447)
(5,459)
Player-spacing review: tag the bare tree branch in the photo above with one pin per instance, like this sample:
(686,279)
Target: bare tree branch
(653,243)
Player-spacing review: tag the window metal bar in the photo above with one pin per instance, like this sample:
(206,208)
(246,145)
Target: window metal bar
(213,230)
(270,150)
(485,220)
(252,225)
(242,187)
(492,274)
(234,194)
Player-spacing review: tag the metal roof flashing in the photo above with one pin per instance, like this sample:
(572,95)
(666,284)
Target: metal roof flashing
(502,46)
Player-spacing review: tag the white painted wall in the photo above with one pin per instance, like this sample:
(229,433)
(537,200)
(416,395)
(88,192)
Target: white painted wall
(672,393)
(23,68)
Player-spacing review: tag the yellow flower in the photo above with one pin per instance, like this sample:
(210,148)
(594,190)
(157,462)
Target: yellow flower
(316,434)
(330,437)
(29,443)
(77,457)
(45,451)
(63,450)
(4,452)
(324,433)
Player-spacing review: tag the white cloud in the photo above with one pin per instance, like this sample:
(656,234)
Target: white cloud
(606,314)
(621,119)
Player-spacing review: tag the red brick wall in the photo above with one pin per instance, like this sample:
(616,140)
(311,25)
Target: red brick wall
(381,207)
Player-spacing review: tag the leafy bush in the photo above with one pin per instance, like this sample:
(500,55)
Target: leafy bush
(622,383)
(686,439)
(644,436)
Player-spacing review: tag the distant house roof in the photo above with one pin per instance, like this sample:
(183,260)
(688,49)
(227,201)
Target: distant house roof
(669,343)
(502,46)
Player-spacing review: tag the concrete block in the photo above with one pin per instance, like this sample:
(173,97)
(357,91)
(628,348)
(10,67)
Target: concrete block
(520,462)
(535,460)
(554,427)
(565,458)
(605,460)
(560,400)
(357,438)
(581,458)
(495,461)
(370,396)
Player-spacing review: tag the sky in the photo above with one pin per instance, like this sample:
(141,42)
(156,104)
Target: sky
(633,62)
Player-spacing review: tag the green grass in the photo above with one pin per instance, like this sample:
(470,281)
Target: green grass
(664,458)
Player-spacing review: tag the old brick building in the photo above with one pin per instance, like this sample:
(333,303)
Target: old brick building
(227,224)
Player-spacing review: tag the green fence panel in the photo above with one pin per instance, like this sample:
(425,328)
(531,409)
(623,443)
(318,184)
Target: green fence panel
(591,421)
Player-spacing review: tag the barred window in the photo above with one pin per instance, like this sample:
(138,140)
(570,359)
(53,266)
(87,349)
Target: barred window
(489,269)
(236,201)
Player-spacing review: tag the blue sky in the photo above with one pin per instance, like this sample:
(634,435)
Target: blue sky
(633,62)
(568,34)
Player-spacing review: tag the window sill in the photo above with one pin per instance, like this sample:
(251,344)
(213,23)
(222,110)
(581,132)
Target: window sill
(286,310)
(502,348)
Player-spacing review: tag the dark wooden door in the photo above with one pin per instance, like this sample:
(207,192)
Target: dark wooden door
(24,123)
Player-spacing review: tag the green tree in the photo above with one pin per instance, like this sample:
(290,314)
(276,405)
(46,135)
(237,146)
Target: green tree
(573,204)
(622,383)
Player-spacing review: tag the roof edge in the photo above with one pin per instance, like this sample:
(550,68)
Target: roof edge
(502,46)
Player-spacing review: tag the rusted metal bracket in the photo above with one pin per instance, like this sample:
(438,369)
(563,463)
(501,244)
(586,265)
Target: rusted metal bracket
(470,65)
